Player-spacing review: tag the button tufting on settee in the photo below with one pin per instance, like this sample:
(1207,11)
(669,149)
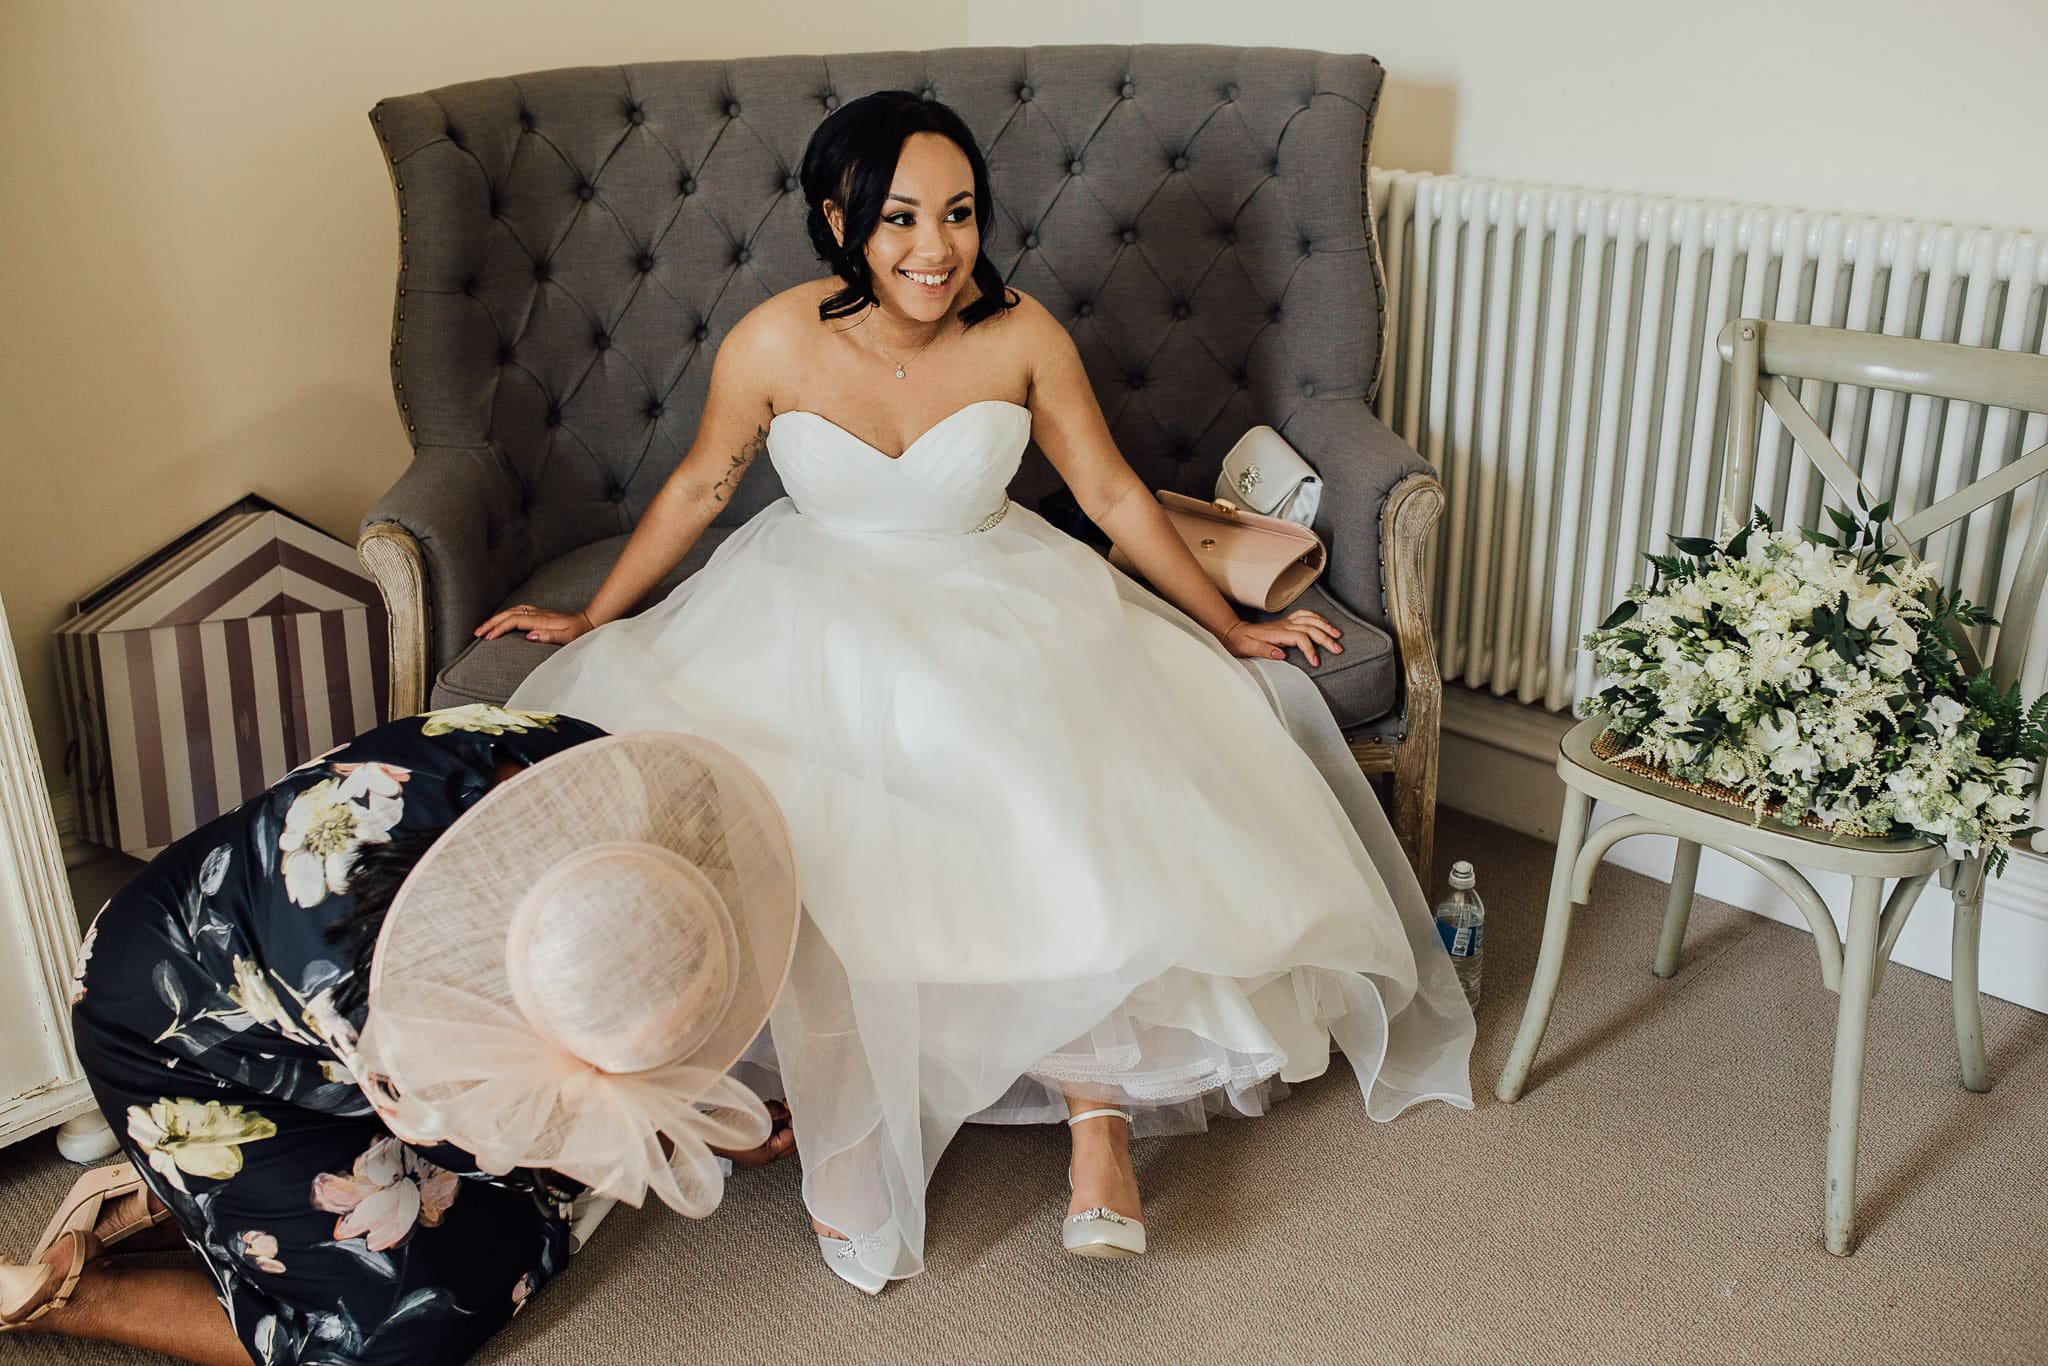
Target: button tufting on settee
(493,331)
(1308,390)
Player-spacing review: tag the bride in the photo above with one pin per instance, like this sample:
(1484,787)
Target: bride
(1063,855)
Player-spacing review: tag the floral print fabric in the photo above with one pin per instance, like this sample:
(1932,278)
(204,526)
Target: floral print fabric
(205,1015)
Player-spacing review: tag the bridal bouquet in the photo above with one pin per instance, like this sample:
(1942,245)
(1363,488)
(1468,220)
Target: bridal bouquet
(1816,677)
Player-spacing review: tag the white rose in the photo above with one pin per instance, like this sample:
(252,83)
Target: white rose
(1945,712)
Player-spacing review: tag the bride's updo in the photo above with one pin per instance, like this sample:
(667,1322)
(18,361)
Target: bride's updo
(851,161)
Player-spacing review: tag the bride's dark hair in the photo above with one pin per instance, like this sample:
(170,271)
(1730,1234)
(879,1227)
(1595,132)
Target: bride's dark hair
(852,159)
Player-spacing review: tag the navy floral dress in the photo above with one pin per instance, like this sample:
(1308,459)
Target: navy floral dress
(205,1018)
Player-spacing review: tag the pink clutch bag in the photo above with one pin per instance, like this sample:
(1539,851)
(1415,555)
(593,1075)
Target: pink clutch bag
(1254,560)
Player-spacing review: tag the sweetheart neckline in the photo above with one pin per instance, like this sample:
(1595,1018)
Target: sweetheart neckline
(915,443)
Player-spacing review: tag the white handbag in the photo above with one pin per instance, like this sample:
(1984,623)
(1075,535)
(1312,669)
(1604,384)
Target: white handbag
(1263,473)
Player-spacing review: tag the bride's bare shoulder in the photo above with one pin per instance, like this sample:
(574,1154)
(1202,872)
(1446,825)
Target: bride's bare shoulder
(775,330)
(1031,332)
(787,317)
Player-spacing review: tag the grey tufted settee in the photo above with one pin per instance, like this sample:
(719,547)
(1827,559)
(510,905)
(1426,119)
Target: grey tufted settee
(573,245)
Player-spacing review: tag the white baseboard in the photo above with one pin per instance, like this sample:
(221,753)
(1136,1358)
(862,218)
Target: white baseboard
(1499,763)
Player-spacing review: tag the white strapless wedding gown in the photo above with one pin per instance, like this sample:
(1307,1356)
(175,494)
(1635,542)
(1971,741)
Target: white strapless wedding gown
(1050,835)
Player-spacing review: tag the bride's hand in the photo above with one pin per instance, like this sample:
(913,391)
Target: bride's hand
(554,628)
(1305,630)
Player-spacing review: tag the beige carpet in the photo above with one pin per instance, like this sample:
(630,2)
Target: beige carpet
(1654,1198)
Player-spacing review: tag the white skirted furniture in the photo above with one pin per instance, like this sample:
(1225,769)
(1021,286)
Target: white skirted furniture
(1768,358)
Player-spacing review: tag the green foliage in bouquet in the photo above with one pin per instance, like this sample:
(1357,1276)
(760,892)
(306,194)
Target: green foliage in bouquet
(1819,675)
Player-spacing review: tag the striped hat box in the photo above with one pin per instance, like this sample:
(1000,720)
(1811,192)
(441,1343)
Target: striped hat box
(201,675)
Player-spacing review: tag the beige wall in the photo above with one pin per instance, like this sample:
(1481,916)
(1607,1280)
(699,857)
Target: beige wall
(200,248)
(1880,106)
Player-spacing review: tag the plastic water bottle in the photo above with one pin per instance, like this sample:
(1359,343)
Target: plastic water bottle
(1461,923)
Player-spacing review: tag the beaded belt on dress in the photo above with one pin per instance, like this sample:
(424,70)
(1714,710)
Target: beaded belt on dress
(993,517)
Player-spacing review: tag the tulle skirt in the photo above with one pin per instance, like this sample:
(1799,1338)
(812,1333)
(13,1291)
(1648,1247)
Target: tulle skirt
(1051,838)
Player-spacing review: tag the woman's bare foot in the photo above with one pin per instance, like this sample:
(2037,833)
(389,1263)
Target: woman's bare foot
(826,1231)
(1101,1166)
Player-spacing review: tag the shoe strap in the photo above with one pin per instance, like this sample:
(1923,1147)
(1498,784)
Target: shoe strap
(1123,1115)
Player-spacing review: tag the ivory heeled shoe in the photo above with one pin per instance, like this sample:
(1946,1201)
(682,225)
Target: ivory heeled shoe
(1101,1232)
(89,1198)
(839,1255)
(29,1292)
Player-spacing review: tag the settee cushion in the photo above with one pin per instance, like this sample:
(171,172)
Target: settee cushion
(1361,684)
(488,670)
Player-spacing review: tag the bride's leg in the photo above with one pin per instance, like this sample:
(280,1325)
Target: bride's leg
(1101,1162)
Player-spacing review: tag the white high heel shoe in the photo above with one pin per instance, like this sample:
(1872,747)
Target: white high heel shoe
(1101,1232)
(839,1255)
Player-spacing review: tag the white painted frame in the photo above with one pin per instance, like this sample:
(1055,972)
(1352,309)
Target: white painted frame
(37,919)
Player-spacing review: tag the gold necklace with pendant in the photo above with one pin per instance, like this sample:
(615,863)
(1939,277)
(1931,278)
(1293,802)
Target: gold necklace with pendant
(885,350)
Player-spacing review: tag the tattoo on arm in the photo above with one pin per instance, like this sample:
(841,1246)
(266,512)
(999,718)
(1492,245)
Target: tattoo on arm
(724,487)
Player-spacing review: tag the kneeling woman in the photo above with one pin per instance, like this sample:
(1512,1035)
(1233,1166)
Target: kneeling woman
(366,1038)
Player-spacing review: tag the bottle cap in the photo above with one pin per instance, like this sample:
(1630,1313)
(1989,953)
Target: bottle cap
(1461,876)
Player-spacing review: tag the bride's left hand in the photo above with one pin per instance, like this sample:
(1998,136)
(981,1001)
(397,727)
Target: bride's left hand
(1305,630)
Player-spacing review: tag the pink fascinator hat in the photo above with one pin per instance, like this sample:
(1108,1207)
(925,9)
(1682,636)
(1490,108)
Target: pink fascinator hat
(564,978)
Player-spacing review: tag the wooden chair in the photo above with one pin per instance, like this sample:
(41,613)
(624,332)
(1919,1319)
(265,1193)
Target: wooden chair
(1766,358)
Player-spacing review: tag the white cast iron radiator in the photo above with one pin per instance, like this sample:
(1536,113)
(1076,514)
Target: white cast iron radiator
(1551,352)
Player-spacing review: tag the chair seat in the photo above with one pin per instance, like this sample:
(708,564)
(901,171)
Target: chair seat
(489,670)
(1362,684)
(1700,818)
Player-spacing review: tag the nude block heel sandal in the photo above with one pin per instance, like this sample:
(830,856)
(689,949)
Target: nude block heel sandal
(94,1191)
(29,1292)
